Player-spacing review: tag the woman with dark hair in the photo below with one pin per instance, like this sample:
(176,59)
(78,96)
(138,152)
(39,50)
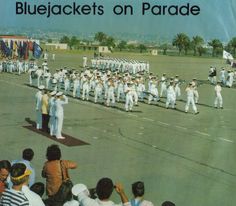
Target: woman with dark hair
(5,169)
(55,170)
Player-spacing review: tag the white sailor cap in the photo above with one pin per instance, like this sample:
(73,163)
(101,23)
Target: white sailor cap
(59,94)
(54,81)
(78,189)
(41,87)
(53,93)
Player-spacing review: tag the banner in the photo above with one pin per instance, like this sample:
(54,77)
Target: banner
(37,50)
(227,55)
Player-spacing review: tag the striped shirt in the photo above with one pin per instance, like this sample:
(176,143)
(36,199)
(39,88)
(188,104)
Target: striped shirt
(12,197)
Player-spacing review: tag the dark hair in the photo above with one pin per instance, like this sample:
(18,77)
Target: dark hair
(28,154)
(5,164)
(138,189)
(168,203)
(53,152)
(104,188)
(38,188)
(17,170)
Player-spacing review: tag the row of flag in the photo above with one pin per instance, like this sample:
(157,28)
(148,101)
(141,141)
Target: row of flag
(20,49)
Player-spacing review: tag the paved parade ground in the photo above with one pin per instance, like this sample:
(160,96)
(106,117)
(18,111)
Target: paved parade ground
(186,158)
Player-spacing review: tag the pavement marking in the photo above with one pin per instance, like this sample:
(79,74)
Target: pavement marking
(181,127)
(148,119)
(164,123)
(203,133)
(226,140)
(133,115)
(154,146)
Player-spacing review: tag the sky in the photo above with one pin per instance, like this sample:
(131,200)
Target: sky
(217,18)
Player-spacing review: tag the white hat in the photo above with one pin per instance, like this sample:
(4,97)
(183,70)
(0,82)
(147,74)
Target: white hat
(59,94)
(78,189)
(53,93)
(54,81)
(41,87)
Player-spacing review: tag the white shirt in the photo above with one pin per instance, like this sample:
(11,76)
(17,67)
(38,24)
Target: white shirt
(33,198)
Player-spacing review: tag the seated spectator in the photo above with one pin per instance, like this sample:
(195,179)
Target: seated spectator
(167,203)
(138,192)
(19,176)
(38,188)
(71,200)
(104,190)
(55,169)
(5,168)
(27,156)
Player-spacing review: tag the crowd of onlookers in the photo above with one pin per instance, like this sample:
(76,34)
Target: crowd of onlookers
(18,186)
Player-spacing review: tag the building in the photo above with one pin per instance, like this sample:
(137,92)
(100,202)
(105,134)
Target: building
(56,46)
(17,38)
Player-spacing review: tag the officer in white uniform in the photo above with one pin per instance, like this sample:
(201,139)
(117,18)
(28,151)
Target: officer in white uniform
(218,96)
(59,113)
(52,113)
(170,100)
(190,98)
(38,98)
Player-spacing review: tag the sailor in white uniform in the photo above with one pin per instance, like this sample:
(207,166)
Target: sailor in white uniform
(38,98)
(61,100)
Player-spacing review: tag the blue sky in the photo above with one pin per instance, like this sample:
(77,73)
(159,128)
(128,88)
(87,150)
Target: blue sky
(217,18)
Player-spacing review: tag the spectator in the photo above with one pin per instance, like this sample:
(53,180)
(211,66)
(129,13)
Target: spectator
(5,168)
(33,198)
(14,196)
(54,168)
(167,203)
(104,190)
(27,156)
(138,192)
(38,188)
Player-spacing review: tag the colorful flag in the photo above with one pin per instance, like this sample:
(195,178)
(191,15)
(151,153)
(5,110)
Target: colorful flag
(37,50)
(6,51)
(227,55)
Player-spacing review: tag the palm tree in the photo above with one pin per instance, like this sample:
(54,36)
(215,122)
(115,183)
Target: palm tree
(181,41)
(197,42)
(216,44)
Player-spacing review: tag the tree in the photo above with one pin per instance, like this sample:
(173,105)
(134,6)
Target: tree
(65,40)
(216,45)
(197,42)
(49,40)
(110,42)
(142,48)
(187,45)
(122,45)
(201,50)
(181,41)
(232,44)
(74,42)
(100,37)
(164,47)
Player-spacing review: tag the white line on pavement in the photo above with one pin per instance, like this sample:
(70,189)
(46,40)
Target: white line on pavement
(148,119)
(226,140)
(164,123)
(181,127)
(203,133)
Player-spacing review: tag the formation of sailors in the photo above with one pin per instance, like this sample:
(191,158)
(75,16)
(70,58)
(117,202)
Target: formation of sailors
(107,84)
(120,65)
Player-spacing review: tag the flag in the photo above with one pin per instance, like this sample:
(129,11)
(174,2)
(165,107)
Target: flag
(5,50)
(37,50)
(25,50)
(227,55)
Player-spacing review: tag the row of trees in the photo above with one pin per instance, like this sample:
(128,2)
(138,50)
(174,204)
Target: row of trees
(181,41)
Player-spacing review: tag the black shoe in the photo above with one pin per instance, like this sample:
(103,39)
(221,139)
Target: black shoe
(196,112)
(221,107)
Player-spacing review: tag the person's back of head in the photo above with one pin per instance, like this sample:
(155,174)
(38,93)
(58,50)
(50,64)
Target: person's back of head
(38,188)
(138,189)
(104,188)
(167,203)
(28,154)
(53,152)
(19,174)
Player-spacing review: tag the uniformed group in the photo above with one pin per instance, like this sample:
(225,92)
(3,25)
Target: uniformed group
(107,84)
(120,65)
